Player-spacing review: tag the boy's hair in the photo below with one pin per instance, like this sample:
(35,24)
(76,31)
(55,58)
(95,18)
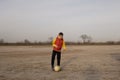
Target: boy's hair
(61,33)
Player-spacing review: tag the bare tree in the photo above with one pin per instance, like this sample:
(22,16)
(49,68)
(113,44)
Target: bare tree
(26,41)
(89,38)
(1,40)
(84,38)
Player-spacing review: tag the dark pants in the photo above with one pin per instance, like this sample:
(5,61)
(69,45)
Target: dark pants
(54,53)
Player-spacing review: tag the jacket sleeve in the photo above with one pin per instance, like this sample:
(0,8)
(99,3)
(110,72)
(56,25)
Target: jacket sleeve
(53,42)
(64,45)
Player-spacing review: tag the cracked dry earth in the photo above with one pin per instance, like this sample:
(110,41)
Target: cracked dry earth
(78,63)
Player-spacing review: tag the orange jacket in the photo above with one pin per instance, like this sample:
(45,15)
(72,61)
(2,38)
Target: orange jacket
(59,43)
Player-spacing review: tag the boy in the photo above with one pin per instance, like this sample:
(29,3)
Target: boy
(57,44)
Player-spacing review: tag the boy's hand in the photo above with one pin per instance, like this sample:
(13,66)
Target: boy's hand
(55,46)
(64,49)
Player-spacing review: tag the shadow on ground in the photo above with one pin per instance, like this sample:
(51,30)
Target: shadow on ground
(92,73)
(116,56)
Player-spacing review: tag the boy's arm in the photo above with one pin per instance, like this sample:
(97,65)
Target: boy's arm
(64,45)
(53,43)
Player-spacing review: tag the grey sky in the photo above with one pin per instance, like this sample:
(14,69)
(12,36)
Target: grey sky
(40,19)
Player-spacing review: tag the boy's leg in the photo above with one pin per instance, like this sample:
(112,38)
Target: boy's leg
(53,59)
(58,58)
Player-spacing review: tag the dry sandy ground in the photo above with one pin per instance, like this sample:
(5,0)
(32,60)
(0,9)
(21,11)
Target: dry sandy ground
(78,63)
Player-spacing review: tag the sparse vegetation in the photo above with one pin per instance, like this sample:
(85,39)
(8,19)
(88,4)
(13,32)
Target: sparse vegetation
(86,40)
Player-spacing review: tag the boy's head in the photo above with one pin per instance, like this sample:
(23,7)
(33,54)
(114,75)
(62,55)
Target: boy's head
(60,35)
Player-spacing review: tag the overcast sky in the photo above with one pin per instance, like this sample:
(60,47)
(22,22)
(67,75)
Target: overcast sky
(37,20)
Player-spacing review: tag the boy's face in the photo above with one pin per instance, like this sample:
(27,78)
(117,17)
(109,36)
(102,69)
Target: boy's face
(60,36)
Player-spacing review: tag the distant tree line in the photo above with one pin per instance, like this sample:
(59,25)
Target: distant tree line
(86,40)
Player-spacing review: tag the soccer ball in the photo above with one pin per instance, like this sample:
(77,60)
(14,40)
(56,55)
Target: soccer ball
(57,68)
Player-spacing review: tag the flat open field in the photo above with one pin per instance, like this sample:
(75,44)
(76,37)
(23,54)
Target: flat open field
(78,63)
